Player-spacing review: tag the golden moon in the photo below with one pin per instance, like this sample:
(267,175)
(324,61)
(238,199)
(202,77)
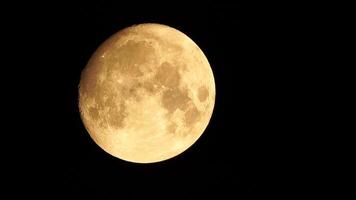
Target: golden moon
(147,93)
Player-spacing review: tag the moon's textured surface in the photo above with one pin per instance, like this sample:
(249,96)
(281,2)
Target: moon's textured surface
(147,93)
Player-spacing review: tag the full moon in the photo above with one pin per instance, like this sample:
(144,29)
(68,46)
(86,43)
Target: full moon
(147,93)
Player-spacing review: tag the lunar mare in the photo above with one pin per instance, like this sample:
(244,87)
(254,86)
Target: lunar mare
(147,93)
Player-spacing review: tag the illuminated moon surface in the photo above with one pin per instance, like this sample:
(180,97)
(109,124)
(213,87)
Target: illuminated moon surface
(147,93)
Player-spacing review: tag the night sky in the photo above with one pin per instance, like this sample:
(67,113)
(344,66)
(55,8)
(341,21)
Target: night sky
(234,157)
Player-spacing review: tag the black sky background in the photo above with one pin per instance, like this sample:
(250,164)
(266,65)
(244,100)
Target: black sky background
(240,155)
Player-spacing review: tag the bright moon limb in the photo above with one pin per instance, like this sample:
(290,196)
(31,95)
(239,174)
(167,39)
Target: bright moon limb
(147,93)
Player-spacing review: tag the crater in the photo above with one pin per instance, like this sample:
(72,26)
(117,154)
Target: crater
(203,93)
(107,111)
(99,92)
(167,75)
(173,99)
(107,102)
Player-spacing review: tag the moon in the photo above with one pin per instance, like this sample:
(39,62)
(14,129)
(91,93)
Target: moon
(147,93)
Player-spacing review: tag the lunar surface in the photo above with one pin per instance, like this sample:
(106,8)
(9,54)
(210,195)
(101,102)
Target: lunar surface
(147,93)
